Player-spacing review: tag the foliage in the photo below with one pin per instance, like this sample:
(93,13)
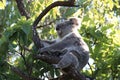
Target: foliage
(100,28)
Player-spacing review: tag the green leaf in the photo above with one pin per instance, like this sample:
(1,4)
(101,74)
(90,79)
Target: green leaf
(57,72)
(69,12)
(3,46)
(2,4)
(26,28)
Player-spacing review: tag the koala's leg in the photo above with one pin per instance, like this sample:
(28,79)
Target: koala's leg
(67,59)
(46,43)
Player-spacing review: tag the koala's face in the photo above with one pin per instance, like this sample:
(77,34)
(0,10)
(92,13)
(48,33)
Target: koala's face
(63,28)
(67,27)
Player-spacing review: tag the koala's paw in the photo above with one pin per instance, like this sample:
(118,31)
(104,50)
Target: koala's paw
(55,66)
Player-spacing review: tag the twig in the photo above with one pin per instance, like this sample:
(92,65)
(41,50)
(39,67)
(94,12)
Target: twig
(25,62)
(49,23)
(27,49)
(90,68)
(22,54)
(2,74)
(46,24)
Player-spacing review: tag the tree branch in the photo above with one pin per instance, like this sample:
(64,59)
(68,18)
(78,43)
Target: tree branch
(21,9)
(71,72)
(22,74)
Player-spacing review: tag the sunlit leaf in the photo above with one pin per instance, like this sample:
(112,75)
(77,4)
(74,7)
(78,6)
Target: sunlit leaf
(2,4)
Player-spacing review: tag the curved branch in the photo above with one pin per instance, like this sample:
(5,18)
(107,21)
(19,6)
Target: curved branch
(36,38)
(57,3)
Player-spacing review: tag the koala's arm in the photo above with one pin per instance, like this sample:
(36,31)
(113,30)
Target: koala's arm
(56,47)
(47,42)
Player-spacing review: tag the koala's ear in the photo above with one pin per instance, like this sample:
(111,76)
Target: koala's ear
(75,21)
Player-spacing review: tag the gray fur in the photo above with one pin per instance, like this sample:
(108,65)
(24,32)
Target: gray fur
(77,54)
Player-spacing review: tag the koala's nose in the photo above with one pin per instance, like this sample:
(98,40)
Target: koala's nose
(57,28)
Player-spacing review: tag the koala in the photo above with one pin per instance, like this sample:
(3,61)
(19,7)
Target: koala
(75,50)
